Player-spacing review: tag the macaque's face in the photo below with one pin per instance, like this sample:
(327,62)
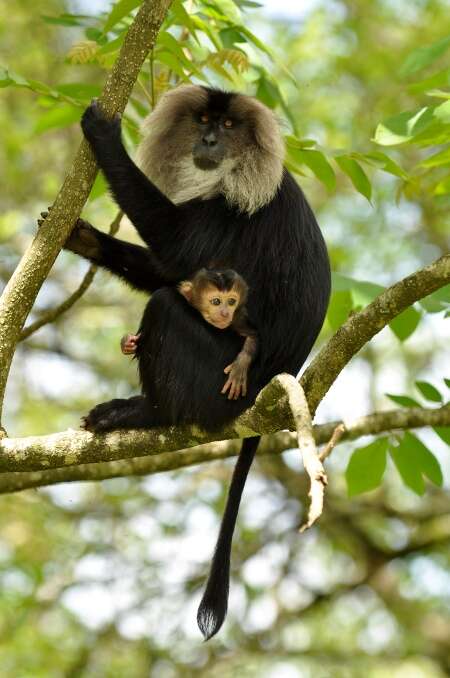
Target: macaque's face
(217,307)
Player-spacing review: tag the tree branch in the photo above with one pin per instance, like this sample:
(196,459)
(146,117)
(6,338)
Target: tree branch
(270,413)
(160,460)
(362,326)
(307,446)
(23,287)
(51,315)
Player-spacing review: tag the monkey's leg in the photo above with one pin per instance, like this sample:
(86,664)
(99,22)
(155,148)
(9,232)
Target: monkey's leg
(141,201)
(135,264)
(122,413)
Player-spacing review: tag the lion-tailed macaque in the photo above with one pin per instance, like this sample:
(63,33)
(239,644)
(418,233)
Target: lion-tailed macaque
(220,297)
(209,186)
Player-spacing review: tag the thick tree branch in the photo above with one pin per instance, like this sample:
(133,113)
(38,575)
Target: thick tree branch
(362,326)
(23,287)
(162,460)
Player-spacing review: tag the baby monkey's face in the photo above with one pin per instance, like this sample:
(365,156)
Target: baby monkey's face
(218,307)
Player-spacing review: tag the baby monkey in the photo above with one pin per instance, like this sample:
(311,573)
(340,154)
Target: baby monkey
(220,297)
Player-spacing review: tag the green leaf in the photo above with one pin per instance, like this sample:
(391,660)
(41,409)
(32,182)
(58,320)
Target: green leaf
(416,459)
(267,92)
(404,401)
(118,12)
(447,382)
(438,93)
(172,45)
(405,323)
(441,158)
(442,113)
(317,163)
(430,465)
(443,432)
(341,303)
(366,467)
(231,37)
(440,79)
(58,116)
(408,468)
(99,188)
(8,77)
(383,162)
(79,90)
(429,391)
(295,142)
(248,3)
(401,128)
(363,292)
(172,62)
(255,41)
(424,56)
(229,9)
(205,27)
(437,301)
(111,46)
(356,175)
(179,17)
(65,19)
(436,134)
(443,187)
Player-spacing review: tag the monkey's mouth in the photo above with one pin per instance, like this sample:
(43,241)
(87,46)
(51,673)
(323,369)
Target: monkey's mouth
(207,157)
(205,162)
(221,324)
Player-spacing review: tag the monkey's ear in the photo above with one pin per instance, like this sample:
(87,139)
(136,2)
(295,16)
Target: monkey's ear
(186,288)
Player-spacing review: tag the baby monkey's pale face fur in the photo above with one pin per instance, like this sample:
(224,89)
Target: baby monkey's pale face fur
(217,307)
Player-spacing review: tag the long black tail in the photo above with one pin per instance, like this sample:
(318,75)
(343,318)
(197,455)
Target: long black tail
(213,606)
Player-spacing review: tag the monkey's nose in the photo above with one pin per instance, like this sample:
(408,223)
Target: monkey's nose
(210,139)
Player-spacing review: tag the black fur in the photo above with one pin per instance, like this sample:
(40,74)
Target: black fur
(281,254)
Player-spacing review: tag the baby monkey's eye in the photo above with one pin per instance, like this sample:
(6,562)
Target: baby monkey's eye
(215,301)
(228,123)
(204,118)
(232,302)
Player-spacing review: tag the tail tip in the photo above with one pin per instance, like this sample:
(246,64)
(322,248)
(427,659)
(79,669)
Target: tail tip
(209,621)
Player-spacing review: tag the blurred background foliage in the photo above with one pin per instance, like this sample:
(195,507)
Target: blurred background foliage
(103,579)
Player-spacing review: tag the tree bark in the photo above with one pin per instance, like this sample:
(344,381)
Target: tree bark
(160,460)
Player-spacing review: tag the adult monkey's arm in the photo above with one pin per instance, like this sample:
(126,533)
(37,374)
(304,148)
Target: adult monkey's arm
(21,291)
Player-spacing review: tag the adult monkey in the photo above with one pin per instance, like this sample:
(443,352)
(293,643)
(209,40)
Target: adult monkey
(212,191)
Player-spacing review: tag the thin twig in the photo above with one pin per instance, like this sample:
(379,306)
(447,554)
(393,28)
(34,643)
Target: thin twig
(337,434)
(54,313)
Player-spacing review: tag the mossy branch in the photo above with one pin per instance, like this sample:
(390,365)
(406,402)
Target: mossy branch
(160,460)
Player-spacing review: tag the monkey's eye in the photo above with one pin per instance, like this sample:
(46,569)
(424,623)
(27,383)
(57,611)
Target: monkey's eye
(215,301)
(204,118)
(232,302)
(228,123)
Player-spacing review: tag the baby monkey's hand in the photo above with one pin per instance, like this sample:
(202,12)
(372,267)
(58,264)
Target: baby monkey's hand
(128,343)
(237,377)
